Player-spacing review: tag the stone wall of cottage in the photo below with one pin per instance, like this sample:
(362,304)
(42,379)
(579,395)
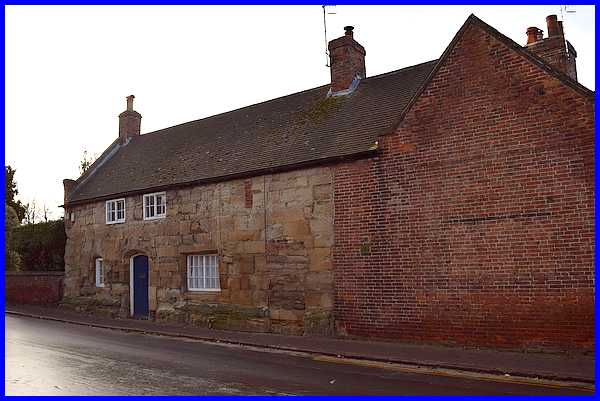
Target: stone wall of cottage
(273,235)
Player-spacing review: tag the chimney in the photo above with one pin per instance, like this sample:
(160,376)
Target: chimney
(534,34)
(552,23)
(347,59)
(68,186)
(130,122)
(554,49)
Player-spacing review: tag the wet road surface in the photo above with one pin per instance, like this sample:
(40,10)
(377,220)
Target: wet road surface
(52,358)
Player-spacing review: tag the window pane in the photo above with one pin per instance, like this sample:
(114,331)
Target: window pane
(110,211)
(203,272)
(120,206)
(204,267)
(99,273)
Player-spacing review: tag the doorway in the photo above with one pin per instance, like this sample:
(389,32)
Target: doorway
(138,284)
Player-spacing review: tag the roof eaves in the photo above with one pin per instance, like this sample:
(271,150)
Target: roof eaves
(109,152)
(373,149)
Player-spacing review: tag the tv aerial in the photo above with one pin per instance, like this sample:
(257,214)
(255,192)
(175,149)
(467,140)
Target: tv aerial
(327,10)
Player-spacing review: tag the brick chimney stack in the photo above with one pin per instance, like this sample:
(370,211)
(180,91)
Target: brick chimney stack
(347,59)
(130,122)
(68,186)
(557,51)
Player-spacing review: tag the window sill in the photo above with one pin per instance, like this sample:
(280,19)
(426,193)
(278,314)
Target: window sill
(154,218)
(203,290)
(115,222)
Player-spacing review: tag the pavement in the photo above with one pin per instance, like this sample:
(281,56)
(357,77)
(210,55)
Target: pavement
(551,366)
(46,357)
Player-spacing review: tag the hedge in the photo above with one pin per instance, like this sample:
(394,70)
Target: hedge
(39,246)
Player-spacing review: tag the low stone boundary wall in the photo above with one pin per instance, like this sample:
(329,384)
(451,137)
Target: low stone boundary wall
(33,287)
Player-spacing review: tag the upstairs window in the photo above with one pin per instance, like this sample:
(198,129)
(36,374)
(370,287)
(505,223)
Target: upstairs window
(115,211)
(155,206)
(203,273)
(99,272)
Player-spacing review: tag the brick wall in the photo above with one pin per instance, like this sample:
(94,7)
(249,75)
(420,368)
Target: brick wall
(475,224)
(33,287)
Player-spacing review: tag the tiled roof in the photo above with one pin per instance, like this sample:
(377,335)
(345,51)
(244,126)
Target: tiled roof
(298,129)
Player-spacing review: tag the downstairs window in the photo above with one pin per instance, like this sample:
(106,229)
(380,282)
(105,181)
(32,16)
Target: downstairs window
(203,273)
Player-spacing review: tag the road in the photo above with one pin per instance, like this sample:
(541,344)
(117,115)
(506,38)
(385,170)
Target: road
(52,358)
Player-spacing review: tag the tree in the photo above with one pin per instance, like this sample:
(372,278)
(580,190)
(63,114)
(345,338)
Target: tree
(12,192)
(86,162)
(46,212)
(11,257)
(31,212)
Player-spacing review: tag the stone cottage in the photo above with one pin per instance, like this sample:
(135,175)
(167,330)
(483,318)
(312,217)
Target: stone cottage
(450,201)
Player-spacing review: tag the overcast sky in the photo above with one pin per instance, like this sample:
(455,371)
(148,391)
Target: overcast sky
(69,68)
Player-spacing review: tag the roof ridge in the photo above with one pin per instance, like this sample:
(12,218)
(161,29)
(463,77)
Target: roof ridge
(234,110)
(403,69)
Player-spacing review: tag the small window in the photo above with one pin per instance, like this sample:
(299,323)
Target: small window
(72,217)
(115,211)
(99,272)
(155,206)
(203,273)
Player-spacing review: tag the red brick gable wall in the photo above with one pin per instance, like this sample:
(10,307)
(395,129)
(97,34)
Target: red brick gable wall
(475,225)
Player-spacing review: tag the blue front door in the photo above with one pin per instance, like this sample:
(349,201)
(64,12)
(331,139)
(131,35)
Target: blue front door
(140,286)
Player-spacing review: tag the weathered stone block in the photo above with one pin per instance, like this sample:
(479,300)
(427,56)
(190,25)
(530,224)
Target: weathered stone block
(296,229)
(320,259)
(322,192)
(319,323)
(254,246)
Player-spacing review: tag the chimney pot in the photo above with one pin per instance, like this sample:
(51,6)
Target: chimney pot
(534,34)
(560,28)
(349,30)
(552,23)
(130,102)
(554,49)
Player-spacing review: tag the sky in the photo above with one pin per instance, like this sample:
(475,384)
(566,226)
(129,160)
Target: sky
(69,68)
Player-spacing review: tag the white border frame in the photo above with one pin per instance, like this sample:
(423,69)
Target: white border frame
(156,216)
(96,272)
(106,211)
(187,273)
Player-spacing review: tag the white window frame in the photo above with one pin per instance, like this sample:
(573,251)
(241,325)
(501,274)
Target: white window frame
(201,265)
(155,206)
(99,270)
(113,204)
